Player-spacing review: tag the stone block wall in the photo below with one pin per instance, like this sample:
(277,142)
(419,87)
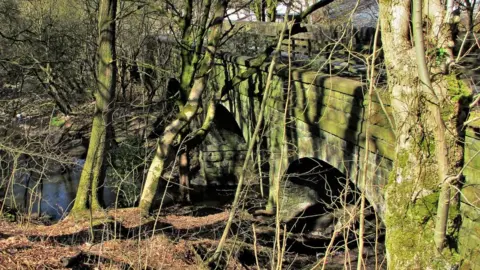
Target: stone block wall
(469,237)
(221,165)
(326,119)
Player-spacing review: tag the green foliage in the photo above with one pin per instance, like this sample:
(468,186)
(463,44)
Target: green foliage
(57,121)
(9,217)
(441,55)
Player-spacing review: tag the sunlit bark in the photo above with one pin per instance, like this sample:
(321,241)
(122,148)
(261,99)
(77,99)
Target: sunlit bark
(101,136)
(424,159)
(188,111)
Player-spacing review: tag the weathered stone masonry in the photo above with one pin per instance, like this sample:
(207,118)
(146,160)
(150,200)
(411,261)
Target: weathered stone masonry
(470,198)
(326,120)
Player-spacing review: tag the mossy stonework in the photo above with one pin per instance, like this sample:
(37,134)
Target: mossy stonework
(326,120)
(326,116)
(469,235)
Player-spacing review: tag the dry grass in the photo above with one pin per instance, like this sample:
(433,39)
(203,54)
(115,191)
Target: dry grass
(19,251)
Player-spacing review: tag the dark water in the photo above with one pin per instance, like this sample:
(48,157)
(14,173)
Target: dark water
(53,195)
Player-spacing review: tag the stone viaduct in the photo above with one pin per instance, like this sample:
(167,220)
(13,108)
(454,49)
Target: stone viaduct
(326,120)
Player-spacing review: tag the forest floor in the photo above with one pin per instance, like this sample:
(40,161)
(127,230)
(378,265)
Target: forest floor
(180,238)
(118,239)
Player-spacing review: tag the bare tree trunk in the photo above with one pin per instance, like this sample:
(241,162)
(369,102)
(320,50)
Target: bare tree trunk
(188,111)
(271,10)
(259,9)
(426,150)
(184,170)
(100,138)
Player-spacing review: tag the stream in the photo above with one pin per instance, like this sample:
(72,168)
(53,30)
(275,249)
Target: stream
(53,196)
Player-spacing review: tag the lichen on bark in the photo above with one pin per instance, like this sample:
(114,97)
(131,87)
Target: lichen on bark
(102,131)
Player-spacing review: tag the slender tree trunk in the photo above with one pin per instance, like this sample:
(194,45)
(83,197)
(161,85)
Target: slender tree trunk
(441,149)
(259,9)
(184,170)
(187,69)
(192,45)
(149,74)
(188,111)
(123,79)
(100,138)
(272,10)
(190,60)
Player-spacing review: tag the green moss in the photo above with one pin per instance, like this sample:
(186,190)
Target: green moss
(8,217)
(410,217)
(410,237)
(402,159)
(428,145)
(93,217)
(411,230)
(57,121)
(410,226)
(425,208)
(458,90)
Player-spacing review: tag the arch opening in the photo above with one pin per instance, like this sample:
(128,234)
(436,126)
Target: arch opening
(223,151)
(318,199)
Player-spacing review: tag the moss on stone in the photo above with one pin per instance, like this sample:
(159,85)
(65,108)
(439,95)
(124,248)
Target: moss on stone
(457,89)
(475,120)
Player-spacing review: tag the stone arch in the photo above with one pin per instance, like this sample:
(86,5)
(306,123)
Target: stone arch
(224,120)
(312,188)
(223,151)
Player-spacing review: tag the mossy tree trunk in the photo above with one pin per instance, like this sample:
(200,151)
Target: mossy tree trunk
(188,112)
(192,44)
(423,158)
(101,136)
(271,10)
(258,7)
(191,52)
(187,69)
